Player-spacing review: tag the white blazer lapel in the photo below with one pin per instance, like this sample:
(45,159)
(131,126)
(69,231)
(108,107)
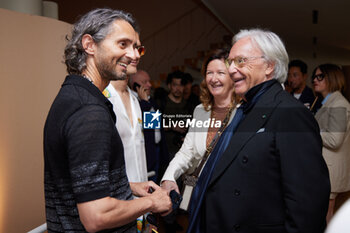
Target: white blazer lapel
(201,135)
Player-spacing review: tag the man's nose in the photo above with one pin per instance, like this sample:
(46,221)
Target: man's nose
(137,53)
(232,68)
(132,53)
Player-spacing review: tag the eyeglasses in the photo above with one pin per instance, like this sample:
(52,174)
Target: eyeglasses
(319,77)
(240,61)
(141,49)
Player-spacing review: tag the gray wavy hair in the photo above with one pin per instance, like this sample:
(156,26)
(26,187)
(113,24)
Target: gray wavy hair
(97,24)
(272,48)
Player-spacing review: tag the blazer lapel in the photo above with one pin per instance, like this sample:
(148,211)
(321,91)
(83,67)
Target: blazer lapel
(252,122)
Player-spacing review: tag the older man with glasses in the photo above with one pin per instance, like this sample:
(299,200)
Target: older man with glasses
(267,174)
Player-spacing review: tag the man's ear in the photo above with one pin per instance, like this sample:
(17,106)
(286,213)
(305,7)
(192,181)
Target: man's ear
(88,44)
(270,68)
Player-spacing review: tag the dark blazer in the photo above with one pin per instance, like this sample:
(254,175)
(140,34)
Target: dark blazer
(307,98)
(155,162)
(272,177)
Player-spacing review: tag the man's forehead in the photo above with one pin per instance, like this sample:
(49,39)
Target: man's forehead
(123,30)
(176,80)
(294,69)
(244,47)
(144,76)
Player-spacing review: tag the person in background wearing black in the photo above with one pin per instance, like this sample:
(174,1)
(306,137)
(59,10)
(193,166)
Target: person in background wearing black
(174,112)
(297,76)
(192,100)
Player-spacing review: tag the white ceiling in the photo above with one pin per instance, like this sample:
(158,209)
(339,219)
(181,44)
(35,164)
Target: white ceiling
(292,20)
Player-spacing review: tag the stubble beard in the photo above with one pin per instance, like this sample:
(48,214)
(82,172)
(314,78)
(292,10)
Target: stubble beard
(177,94)
(108,71)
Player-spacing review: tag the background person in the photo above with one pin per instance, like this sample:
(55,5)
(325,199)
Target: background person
(297,76)
(155,144)
(195,89)
(192,100)
(334,121)
(175,107)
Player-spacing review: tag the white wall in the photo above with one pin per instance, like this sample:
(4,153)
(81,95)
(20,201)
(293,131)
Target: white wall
(31,72)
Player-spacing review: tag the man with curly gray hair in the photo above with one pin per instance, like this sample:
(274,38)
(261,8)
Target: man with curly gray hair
(86,186)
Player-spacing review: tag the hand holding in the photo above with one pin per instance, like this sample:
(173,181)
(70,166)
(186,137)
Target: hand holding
(161,202)
(169,185)
(141,189)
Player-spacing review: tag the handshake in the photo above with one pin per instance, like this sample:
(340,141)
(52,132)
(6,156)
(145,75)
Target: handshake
(175,198)
(163,201)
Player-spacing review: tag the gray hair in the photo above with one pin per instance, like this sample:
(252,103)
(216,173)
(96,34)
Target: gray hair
(272,48)
(97,24)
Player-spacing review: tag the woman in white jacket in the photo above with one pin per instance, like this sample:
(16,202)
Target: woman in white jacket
(334,121)
(218,100)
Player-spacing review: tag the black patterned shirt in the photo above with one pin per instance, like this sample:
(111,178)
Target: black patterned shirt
(83,154)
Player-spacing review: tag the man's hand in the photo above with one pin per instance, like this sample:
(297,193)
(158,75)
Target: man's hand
(142,92)
(169,185)
(161,202)
(141,189)
(114,213)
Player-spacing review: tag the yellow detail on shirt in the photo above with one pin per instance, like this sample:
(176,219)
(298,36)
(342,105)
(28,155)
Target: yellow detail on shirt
(106,93)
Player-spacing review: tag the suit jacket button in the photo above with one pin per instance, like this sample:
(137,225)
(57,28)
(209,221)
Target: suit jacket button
(237,192)
(237,227)
(245,159)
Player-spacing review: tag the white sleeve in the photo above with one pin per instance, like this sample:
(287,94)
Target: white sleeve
(187,154)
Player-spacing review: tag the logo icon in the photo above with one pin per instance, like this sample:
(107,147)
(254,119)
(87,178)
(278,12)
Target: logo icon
(151,120)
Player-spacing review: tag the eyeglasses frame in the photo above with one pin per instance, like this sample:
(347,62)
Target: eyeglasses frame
(228,61)
(319,77)
(141,49)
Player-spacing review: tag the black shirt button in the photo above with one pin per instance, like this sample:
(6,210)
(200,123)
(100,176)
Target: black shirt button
(245,159)
(237,227)
(237,192)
